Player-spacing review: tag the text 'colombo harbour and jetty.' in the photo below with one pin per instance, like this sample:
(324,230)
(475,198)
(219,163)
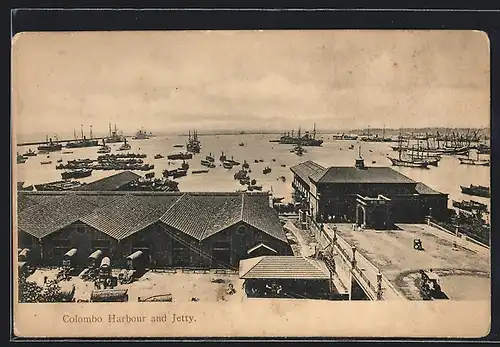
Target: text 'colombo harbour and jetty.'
(367,214)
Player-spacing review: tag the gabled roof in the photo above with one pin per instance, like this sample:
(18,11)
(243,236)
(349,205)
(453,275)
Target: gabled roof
(110,183)
(283,267)
(426,190)
(348,174)
(306,169)
(121,214)
(256,212)
(43,219)
(261,245)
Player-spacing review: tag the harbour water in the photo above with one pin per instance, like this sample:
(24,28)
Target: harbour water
(446,178)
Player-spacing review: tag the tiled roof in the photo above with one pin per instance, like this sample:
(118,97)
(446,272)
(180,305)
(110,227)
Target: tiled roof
(24,202)
(306,169)
(201,216)
(121,214)
(110,183)
(257,213)
(369,175)
(124,216)
(426,190)
(283,267)
(42,219)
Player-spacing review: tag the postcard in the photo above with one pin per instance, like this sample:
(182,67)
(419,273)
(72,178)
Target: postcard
(317,183)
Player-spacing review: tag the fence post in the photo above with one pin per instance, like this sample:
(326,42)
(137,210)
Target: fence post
(353,261)
(379,285)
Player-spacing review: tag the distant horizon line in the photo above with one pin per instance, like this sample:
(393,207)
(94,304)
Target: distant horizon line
(257,131)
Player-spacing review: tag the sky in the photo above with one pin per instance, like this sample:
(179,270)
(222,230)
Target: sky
(172,81)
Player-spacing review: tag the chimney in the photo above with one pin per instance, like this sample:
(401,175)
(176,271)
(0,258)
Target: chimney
(360,162)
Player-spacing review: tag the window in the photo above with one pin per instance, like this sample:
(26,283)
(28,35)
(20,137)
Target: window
(241,230)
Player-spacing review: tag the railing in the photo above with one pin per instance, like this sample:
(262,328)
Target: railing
(436,225)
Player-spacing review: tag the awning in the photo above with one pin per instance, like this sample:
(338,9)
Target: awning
(283,267)
(134,255)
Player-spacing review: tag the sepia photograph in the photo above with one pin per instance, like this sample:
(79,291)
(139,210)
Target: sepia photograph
(257,177)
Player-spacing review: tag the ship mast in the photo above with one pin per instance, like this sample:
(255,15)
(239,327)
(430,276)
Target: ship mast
(81,128)
(91,131)
(314,131)
(109,129)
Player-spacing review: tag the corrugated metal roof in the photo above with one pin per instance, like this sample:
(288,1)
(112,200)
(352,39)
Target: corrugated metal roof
(43,219)
(426,190)
(369,175)
(283,267)
(306,169)
(110,183)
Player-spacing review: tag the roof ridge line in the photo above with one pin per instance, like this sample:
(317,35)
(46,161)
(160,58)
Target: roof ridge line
(242,205)
(254,265)
(153,209)
(203,235)
(313,263)
(171,206)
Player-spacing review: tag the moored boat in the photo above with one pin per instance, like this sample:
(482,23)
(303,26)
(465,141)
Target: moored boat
(479,162)
(180,156)
(159,156)
(29,153)
(125,146)
(227,165)
(78,173)
(409,163)
(46,162)
(470,206)
(266,170)
(50,146)
(179,173)
(474,190)
(199,171)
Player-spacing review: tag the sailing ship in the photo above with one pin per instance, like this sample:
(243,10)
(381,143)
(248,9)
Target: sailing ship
(376,138)
(125,146)
(193,145)
(83,142)
(477,161)
(410,161)
(113,136)
(481,191)
(50,146)
(306,140)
